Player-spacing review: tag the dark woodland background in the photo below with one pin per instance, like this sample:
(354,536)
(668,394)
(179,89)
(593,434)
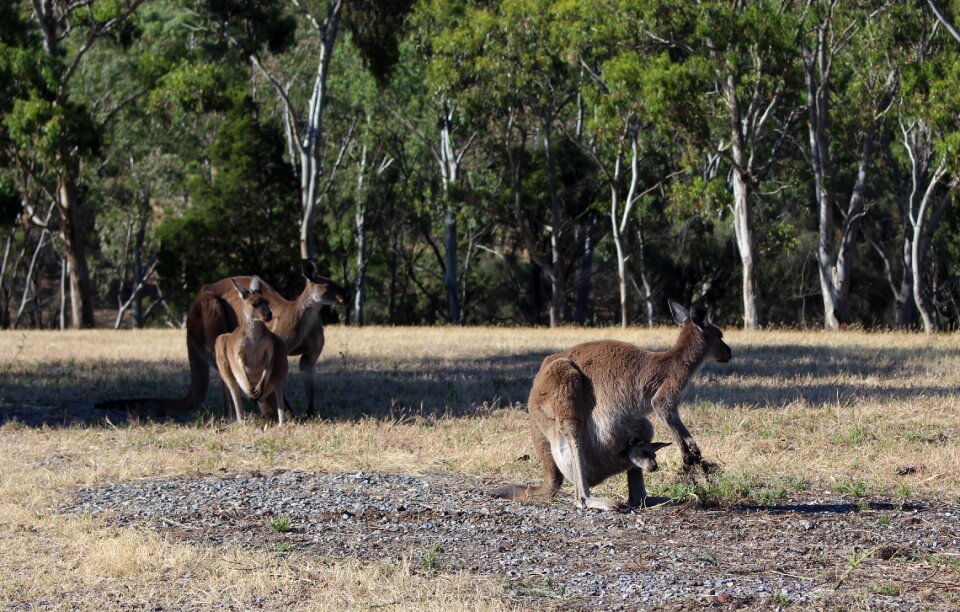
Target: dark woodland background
(520,162)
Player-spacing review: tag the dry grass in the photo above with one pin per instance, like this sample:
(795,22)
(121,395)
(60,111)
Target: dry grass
(864,414)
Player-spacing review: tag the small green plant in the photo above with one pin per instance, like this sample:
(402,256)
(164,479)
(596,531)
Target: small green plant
(855,562)
(951,562)
(902,492)
(280,525)
(430,555)
(266,447)
(713,490)
(773,494)
(884,521)
(708,556)
(799,484)
(283,546)
(781,599)
(854,488)
(536,586)
(889,589)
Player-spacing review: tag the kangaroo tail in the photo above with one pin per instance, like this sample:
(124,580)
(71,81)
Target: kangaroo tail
(199,373)
(516,492)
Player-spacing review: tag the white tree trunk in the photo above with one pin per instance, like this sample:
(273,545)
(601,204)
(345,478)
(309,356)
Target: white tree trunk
(311,167)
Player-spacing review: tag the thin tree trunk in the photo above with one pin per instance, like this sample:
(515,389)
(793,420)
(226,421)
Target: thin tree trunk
(744,234)
(586,268)
(557,289)
(359,220)
(919,248)
(311,166)
(644,276)
(63,293)
(742,224)
(450,264)
(81,294)
(28,281)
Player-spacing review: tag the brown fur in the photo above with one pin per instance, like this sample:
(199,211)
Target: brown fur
(589,408)
(214,312)
(251,359)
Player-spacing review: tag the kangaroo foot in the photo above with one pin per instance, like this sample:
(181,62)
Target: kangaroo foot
(600,503)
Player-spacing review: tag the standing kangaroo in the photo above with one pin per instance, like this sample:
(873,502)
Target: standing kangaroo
(215,312)
(251,353)
(589,406)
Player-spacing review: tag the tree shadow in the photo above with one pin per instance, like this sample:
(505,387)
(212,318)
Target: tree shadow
(829,508)
(61,394)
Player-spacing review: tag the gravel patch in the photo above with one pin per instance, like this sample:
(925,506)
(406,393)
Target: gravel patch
(552,554)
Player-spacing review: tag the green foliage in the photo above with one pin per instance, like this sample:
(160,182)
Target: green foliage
(243,211)
(250,26)
(172,136)
(375,27)
(9,200)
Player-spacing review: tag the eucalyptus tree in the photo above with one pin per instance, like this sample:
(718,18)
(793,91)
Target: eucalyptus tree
(428,101)
(929,129)
(48,132)
(723,72)
(509,61)
(920,148)
(613,56)
(260,30)
(842,66)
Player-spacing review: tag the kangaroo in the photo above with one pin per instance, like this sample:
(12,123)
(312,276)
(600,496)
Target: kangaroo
(252,352)
(215,311)
(589,408)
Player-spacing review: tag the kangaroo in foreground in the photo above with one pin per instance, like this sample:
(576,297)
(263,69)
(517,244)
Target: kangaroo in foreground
(251,353)
(589,409)
(215,311)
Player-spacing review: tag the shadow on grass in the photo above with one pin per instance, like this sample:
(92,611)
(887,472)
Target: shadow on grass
(828,508)
(63,393)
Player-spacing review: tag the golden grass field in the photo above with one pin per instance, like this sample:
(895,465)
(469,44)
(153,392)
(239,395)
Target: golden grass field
(869,415)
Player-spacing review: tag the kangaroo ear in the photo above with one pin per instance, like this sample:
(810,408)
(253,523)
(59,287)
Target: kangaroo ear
(655,446)
(256,285)
(243,292)
(680,314)
(308,269)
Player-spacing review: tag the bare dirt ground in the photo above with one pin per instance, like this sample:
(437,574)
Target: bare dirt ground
(812,551)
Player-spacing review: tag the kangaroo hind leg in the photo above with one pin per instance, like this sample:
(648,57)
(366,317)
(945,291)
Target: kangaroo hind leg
(570,404)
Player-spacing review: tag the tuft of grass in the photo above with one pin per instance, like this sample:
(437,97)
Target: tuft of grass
(280,525)
(770,495)
(889,589)
(284,546)
(711,490)
(430,555)
(707,556)
(854,488)
(902,492)
(780,599)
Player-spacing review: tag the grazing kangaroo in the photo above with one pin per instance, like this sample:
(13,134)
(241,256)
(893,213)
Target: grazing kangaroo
(252,352)
(214,312)
(589,409)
